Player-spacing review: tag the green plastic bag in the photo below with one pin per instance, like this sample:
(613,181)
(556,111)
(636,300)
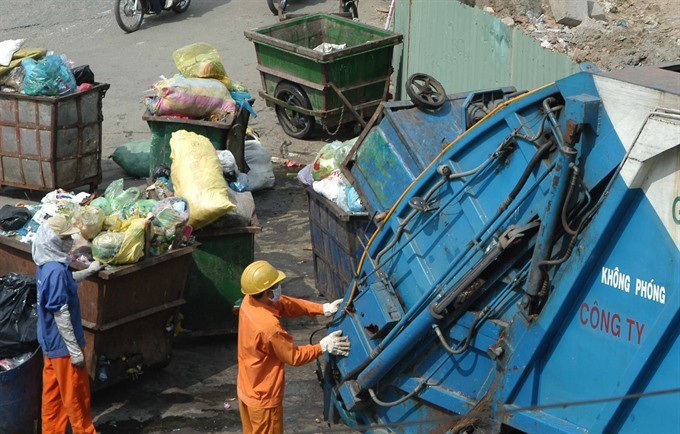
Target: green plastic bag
(133,158)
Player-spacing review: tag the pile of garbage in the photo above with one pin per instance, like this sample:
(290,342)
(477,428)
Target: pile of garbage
(126,224)
(325,177)
(38,72)
(201,90)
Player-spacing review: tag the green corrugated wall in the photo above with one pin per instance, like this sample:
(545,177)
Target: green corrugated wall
(467,49)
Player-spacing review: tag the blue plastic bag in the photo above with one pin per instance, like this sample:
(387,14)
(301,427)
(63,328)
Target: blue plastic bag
(48,76)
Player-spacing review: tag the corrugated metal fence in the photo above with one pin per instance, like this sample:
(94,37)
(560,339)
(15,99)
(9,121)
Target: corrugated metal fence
(467,49)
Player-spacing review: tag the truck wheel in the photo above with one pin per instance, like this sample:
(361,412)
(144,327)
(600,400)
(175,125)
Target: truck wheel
(295,124)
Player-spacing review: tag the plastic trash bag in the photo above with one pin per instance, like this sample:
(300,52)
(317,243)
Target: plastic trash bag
(330,157)
(49,76)
(119,198)
(132,247)
(142,208)
(7,50)
(324,162)
(18,317)
(332,188)
(228,163)
(13,218)
(197,177)
(241,183)
(353,200)
(133,158)
(261,173)
(89,219)
(304,176)
(201,60)
(119,248)
(106,245)
(171,217)
(102,203)
(193,97)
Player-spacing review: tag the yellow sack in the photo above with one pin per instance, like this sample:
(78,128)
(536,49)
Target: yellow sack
(132,248)
(201,60)
(197,176)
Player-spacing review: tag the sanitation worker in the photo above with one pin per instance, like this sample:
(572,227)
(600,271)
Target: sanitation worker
(66,386)
(264,346)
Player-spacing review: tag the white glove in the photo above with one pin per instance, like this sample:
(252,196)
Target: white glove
(93,268)
(335,344)
(62,319)
(329,309)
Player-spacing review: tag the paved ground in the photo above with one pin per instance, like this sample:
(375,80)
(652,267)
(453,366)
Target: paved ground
(187,396)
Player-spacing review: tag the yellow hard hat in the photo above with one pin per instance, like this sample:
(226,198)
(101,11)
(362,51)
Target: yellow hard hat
(259,277)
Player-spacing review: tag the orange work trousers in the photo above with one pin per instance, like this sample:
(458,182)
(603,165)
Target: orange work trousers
(261,420)
(65,398)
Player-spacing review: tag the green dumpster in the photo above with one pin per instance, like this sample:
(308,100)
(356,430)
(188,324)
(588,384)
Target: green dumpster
(345,85)
(229,134)
(214,281)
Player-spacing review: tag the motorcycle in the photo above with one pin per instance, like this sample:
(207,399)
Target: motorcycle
(130,13)
(349,6)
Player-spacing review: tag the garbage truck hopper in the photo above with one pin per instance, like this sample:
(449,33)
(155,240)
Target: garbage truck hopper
(528,279)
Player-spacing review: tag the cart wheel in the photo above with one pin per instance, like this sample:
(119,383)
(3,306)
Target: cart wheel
(295,124)
(425,91)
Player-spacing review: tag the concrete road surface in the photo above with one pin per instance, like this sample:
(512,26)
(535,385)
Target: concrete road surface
(188,395)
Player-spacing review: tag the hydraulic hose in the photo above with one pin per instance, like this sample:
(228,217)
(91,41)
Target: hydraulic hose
(538,156)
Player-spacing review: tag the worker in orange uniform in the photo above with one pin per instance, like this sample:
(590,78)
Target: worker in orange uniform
(264,347)
(66,385)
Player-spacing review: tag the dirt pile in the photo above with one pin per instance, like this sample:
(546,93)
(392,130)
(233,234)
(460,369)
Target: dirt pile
(633,33)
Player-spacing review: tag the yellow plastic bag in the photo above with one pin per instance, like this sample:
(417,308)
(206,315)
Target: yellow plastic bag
(201,60)
(132,247)
(89,219)
(121,248)
(197,176)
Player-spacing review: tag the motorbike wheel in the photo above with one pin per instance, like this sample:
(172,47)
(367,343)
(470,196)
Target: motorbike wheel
(274,5)
(128,18)
(181,6)
(351,6)
(295,124)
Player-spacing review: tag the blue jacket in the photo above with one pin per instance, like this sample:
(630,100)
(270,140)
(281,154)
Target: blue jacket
(56,288)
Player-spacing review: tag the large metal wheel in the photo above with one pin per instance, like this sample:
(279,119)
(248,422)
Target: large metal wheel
(274,6)
(181,6)
(128,17)
(295,124)
(425,91)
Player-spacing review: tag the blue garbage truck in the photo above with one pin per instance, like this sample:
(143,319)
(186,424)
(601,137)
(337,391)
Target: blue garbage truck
(527,278)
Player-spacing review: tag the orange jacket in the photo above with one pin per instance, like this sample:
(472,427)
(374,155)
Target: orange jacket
(264,347)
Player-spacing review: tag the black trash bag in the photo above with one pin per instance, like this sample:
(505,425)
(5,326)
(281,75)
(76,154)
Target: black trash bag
(18,315)
(13,218)
(83,74)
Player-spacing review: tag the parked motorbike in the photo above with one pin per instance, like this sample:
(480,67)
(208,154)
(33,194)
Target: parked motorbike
(345,6)
(130,13)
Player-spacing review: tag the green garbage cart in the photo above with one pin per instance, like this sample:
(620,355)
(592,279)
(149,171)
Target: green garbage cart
(229,133)
(214,282)
(305,85)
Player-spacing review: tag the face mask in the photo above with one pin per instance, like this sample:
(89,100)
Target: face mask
(65,244)
(276,294)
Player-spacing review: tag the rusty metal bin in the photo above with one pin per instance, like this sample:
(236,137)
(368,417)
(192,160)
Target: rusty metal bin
(49,142)
(129,312)
(338,240)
